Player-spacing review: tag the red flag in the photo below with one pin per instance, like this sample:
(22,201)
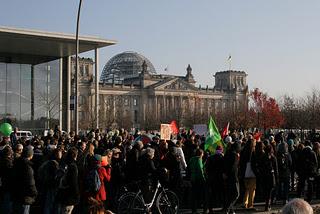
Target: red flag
(257,136)
(174,127)
(225,131)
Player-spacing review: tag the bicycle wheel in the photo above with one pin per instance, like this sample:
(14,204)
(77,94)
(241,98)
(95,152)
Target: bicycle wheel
(131,203)
(167,202)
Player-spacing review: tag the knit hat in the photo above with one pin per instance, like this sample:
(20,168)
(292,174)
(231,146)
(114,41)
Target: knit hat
(27,152)
(97,157)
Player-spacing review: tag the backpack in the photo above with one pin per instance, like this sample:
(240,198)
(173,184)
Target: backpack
(92,181)
(283,163)
(61,177)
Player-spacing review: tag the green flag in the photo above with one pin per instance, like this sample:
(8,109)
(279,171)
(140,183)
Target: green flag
(213,138)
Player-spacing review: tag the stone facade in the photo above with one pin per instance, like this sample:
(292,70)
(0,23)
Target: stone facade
(147,99)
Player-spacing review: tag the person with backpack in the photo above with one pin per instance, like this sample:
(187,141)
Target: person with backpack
(284,166)
(95,179)
(68,191)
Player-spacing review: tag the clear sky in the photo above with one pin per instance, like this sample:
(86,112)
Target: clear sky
(277,42)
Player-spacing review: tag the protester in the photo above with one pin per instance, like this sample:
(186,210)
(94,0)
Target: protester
(6,165)
(269,172)
(248,172)
(68,191)
(214,169)
(231,165)
(309,166)
(18,151)
(197,179)
(316,149)
(284,166)
(100,193)
(23,183)
(48,183)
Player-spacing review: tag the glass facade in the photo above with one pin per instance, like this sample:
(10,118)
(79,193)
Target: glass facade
(17,96)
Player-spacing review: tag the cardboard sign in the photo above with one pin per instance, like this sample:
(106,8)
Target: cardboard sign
(165,131)
(200,129)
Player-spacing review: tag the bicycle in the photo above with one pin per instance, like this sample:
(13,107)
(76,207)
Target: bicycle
(166,202)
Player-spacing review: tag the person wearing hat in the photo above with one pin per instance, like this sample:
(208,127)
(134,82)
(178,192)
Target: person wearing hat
(104,176)
(24,188)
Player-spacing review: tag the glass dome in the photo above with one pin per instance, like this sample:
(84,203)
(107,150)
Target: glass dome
(124,65)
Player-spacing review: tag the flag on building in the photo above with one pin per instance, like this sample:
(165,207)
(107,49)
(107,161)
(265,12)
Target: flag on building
(225,131)
(213,138)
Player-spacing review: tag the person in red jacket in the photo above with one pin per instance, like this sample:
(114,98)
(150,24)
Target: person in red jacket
(104,175)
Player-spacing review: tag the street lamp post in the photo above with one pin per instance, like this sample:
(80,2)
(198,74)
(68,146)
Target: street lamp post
(76,113)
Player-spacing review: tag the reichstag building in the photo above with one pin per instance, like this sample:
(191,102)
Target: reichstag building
(133,94)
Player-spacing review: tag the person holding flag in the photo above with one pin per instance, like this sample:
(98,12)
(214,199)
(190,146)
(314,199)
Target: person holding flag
(213,138)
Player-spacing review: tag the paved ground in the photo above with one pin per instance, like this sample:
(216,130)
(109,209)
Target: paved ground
(259,208)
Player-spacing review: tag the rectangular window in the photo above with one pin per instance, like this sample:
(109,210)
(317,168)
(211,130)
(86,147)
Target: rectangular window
(135,102)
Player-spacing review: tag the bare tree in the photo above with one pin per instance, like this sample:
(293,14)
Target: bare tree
(50,104)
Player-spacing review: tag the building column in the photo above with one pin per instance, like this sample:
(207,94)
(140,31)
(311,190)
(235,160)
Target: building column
(66,93)
(114,107)
(156,106)
(164,106)
(96,56)
(60,91)
(32,93)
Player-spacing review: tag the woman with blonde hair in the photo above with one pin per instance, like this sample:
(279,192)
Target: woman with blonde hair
(248,172)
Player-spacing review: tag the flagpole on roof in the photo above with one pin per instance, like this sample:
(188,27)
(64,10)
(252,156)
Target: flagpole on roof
(229,60)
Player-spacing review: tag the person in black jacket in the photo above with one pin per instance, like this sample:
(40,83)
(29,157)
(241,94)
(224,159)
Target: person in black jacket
(316,149)
(6,165)
(24,188)
(68,193)
(269,171)
(310,165)
(284,167)
(48,184)
(214,170)
(231,165)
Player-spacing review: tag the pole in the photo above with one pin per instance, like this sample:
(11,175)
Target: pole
(76,122)
(96,56)
(48,93)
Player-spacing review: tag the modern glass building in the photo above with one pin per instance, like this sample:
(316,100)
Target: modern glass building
(28,95)
(35,76)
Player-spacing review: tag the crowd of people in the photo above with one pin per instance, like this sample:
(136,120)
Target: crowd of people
(68,173)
